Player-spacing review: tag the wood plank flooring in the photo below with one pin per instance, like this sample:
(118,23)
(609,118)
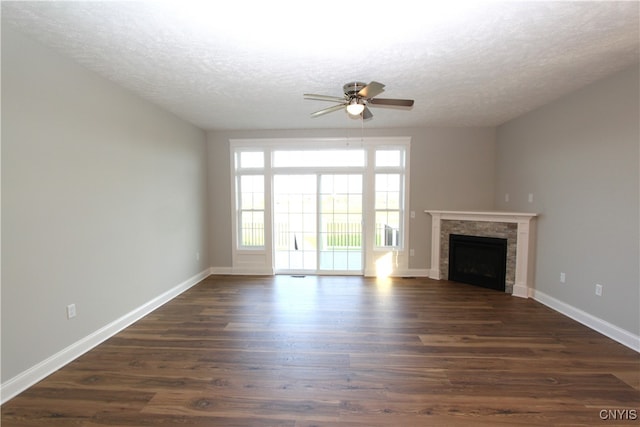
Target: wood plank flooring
(342,351)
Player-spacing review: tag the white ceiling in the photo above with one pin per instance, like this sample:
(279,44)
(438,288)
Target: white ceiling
(246,64)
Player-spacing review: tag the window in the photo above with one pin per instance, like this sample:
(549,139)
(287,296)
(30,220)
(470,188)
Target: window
(318,158)
(389,194)
(250,199)
(389,158)
(251,210)
(250,160)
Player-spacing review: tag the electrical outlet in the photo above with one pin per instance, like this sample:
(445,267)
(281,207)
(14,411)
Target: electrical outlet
(197,256)
(506,197)
(598,289)
(412,252)
(563,278)
(413,214)
(530,197)
(71,311)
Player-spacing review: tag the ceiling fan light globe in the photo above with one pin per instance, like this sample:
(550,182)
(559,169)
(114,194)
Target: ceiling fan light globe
(355,109)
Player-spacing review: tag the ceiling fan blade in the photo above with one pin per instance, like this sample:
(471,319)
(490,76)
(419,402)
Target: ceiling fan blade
(328,110)
(324,97)
(371,90)
(366,113)
(390,101)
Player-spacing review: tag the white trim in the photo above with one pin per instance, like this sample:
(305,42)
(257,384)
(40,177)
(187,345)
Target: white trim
(408,272)
(432,273)
(16,385)
(491,216)
(520,290)
(343,273)
(241,271)
(221,271)
(252,271)
(414,272)
(315,143)
(612,331)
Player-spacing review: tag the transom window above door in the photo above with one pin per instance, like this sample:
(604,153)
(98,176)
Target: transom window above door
(333,158)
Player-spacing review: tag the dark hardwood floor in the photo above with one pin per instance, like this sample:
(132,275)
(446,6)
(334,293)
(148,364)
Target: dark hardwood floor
(342,351)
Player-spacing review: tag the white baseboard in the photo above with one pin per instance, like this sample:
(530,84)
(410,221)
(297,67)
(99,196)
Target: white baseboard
(520,291)
(241,271)
(219,271)
(266,272)
(409,272)
(414,272)
(614,332)
(31,376)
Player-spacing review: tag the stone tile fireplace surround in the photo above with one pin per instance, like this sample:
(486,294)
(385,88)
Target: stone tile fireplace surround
(517,227)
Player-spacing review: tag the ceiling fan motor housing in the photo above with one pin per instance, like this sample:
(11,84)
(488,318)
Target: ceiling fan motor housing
(351,89)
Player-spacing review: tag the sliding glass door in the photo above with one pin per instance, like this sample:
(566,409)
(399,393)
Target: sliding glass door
(295,222)
(340,242)
(318,223)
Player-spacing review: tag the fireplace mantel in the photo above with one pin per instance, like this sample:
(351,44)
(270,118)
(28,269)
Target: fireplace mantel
(525,244)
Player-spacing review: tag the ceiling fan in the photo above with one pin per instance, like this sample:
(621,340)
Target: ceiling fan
(357,96)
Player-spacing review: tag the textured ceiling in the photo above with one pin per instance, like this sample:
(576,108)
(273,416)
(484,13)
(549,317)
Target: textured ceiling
(246,64)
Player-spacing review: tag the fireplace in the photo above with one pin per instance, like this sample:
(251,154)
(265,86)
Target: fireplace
(517,227)
(478,260)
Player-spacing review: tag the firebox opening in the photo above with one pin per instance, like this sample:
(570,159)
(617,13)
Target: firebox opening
(480,261)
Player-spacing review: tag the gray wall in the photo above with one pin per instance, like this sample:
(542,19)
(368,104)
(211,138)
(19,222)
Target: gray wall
(579,156)
(103,202)
(451,168)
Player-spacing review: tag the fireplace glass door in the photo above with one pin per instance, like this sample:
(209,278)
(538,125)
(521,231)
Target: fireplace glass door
(480,261)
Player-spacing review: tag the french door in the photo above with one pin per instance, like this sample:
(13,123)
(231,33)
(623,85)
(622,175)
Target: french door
(317,223)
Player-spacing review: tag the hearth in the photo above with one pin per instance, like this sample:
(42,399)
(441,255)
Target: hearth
(478,260)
